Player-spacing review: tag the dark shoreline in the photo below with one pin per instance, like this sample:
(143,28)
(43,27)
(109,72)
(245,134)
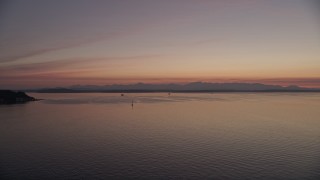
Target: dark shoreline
(176,91)
(15,97)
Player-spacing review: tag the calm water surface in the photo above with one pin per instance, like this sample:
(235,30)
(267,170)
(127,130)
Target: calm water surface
(181,136)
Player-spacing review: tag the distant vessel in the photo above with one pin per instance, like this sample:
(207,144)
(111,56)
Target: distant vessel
(122,94)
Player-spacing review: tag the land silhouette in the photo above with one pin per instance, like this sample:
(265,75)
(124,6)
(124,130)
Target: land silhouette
(189,87)
(14,97)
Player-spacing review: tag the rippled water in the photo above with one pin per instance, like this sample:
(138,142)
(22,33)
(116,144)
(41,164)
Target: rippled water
(190,136)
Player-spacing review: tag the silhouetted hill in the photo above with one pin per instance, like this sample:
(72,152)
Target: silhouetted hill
(190,87)
(12,97)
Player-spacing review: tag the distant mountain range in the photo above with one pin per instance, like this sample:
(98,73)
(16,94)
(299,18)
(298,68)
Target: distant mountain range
(190,87)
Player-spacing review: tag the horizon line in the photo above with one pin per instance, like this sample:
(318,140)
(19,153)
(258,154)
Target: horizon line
(70,87)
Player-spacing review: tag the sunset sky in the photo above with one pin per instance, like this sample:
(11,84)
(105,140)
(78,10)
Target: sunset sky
(62,43)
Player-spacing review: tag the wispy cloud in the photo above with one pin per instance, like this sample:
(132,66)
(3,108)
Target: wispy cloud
(65,45)
(72,64)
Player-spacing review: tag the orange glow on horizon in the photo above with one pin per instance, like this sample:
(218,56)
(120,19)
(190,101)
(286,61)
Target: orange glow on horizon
(212,41)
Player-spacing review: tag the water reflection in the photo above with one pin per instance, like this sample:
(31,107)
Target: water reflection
(190,136)
(138,98)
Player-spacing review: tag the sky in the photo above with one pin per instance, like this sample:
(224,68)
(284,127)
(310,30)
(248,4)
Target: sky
(45,43)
